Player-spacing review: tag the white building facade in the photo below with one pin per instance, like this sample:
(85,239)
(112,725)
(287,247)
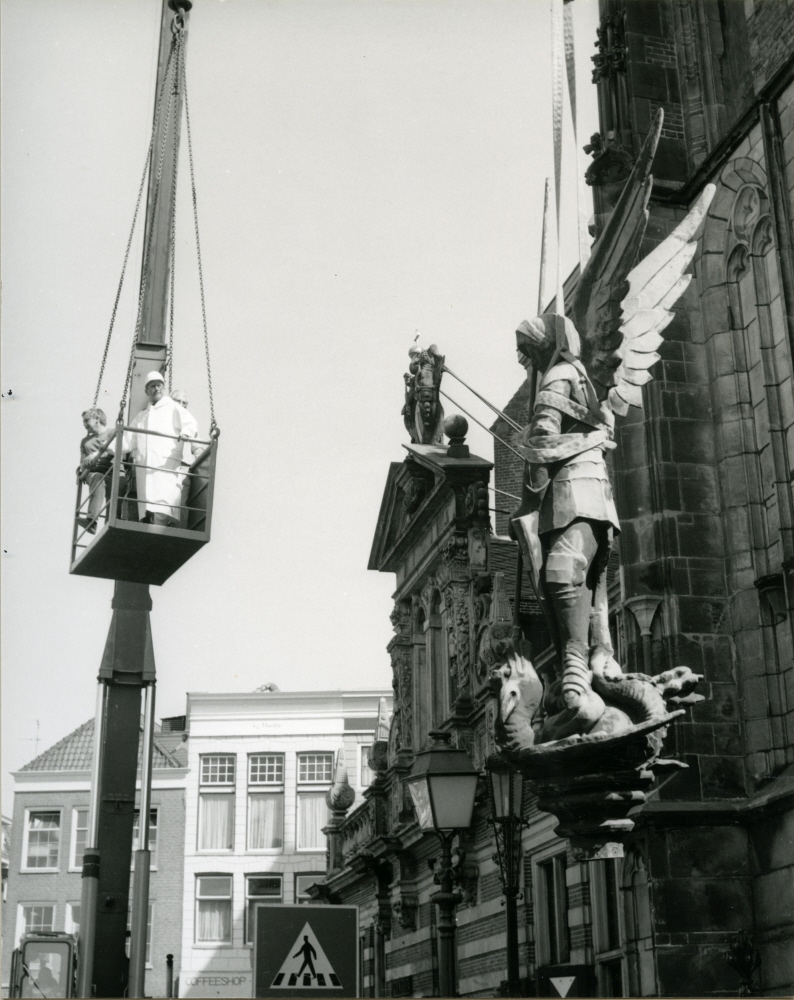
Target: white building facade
(260,765)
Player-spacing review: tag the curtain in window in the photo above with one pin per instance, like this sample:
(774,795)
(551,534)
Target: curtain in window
(216,831)
(44,832)
(265,821)
(214,920)
(312,817)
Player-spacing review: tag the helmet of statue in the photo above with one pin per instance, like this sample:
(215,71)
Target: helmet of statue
(541,338)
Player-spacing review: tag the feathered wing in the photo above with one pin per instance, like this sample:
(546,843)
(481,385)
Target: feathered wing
(597,312)
(655,285)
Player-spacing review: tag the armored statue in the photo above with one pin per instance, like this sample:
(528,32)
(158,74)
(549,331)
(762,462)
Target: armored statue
(592,366)
(422,413)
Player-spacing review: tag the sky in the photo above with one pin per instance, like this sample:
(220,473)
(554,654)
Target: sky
(366,170)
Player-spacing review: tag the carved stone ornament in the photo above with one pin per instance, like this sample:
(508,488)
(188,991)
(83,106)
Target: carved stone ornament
(340,796)
(415,491)
(422,412)
(402,683)
(378,753)
(590,738)
(400,651)
(477,502)
(610,60)
(610,165)
(746,212)
(406,906)
(456,599)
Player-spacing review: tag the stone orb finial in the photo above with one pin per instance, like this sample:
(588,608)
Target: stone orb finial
(456,428)
(340,796)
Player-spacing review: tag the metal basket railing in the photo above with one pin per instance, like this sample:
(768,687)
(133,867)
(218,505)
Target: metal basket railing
(109,494)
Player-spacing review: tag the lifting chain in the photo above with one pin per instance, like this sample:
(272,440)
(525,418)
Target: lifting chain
(178,22)
(214,429)
(132,227)
(176,44)
(174,74)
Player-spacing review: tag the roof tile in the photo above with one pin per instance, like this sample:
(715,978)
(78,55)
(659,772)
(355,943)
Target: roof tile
(75,753)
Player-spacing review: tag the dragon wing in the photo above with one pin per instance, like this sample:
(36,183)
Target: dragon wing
(655,285)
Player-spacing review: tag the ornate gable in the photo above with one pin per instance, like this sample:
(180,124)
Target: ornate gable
(416,490)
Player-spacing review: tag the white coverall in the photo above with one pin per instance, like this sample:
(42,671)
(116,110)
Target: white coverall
(160,483)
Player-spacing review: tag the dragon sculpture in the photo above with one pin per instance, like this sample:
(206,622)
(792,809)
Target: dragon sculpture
(593,366)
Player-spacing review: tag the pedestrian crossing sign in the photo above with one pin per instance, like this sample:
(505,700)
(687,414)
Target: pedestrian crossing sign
(313,968)
(306,951)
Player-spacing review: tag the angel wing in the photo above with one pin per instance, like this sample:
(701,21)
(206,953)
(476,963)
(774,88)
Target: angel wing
(620,310)
(655,285)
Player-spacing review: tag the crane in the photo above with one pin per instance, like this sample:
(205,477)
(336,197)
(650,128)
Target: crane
(118,545)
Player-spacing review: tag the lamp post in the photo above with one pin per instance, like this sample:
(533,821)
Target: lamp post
(443,783)
(506,786)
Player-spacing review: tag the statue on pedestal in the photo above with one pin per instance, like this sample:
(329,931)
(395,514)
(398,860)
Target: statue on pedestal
(423,413)
(592,366)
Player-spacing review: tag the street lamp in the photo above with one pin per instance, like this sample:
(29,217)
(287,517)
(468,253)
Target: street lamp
(443,783)
(506,786)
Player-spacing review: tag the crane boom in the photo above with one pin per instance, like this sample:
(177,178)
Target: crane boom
(128,662)
(151,342)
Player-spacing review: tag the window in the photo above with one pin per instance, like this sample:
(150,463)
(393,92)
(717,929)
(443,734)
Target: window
(42,840)
(72,918)
(265,808)
(367,773)
(216,803)
(149,923)
(610,978)
(259,889)
(136,835)
(302,884)
(552,911)
(214,909)
(608,926)
(266,769)
(79,834)
(315,768)
(217,770)
(35,917)
(312,817)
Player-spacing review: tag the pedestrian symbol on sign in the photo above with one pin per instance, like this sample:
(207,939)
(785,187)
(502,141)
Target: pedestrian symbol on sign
(306,966)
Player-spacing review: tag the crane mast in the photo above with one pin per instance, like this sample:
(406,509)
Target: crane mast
(128,669)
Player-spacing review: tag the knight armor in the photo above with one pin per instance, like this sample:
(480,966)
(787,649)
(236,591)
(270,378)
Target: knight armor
(565,450)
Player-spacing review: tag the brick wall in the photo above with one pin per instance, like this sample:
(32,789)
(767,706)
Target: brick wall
(653,83)
(65,886)
(770,25)
(508,467)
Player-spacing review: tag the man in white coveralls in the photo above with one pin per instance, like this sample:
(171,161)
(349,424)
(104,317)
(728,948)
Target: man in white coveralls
(159,470)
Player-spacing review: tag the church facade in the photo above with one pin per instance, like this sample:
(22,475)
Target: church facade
(701,901)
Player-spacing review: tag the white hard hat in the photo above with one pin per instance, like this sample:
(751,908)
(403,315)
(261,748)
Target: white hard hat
(153,377)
